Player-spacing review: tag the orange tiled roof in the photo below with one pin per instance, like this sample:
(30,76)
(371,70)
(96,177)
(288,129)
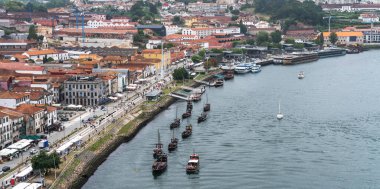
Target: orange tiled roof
(28,109)
(12,95)
(345,34)
(43,52)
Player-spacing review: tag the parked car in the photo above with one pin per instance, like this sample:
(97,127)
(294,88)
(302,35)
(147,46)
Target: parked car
(33,151)
(6,168)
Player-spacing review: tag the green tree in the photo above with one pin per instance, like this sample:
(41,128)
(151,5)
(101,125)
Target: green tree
(319,39)
(333,37)
(290,41)
(262,38)
(243,28)
(180,74)
(178,21)
(235,12)
(250,42)
(196,59)
(234,17)
(14,6)
(276,36)
(32,33)
(299,45)
(50,59)
(216,50)
(44,162)
(202,53)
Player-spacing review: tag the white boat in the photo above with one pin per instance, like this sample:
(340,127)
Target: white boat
(241,69)
(301,75)
(279,115)
(256,68)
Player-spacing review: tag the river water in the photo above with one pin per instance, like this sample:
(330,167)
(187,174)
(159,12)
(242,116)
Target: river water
(329,137)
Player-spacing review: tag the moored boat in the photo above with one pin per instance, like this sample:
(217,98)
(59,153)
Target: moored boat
(229,75)
(159,166)
(219,83)
(193,164)
(203,117)
(188,131)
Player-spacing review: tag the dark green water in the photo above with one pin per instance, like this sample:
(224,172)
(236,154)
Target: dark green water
(329,137)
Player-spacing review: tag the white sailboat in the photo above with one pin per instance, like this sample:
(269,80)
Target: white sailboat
(279,115)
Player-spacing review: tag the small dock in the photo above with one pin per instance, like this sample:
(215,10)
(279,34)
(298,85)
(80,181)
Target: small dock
(179,96)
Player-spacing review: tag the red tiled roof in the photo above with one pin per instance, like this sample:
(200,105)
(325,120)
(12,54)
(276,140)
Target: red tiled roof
(20,66)
(12,95)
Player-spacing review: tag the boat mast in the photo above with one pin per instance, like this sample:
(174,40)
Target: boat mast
(279,107)
(176,112)
(159,140)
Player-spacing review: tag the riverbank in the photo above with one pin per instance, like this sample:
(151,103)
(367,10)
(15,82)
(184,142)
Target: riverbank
(76,174)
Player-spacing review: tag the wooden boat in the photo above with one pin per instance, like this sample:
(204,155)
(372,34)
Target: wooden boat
(203,117)
(207,106)
(186,114)
(192,166)
(229,75)
(219,83)
(173,144)
(159,166)
(189,105)
(188,131)
(157,151)
(177,121)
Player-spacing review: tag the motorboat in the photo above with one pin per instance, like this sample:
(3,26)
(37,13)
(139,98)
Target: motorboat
(229,75)
(207,106)
(242,69)
(192,166)
(219,83)
(256,68)
(301,75)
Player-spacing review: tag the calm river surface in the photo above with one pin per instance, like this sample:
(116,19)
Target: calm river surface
(329,137)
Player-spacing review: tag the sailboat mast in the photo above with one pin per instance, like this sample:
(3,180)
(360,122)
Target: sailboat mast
(176,112)
(279,107)
(159,140)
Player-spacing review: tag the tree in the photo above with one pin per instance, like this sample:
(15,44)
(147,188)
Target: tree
(178,21)
(44,162)
(333,37)
(276,36)
(32,33)
(299,45)
(262,38)
(202,53)
(210,63)
(319,39)
(250,42)
(50,59)
(235,12)
(234,17)
(243,28)
(196,58)
(216,50)
(290,41)
(180,74)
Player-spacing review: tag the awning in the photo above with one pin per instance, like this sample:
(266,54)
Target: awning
(25,172)
(64,147)
(119,95)
(21,185)
(112,98)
